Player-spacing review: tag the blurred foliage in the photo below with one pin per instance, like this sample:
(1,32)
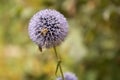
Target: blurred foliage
(91,50)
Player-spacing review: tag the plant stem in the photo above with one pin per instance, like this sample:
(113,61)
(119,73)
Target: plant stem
(59,64)
(61,72)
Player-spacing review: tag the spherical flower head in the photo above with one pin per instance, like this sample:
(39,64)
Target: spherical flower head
(48,28)
(68,76)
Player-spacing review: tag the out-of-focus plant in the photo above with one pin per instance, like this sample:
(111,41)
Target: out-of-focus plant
(68,76)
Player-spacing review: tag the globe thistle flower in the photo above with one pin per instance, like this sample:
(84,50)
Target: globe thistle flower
(68,76)
(48,28)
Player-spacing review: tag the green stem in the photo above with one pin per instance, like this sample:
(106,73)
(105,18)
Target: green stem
(59,64)
(61,72)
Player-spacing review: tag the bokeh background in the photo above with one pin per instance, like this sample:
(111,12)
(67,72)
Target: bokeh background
(91,50)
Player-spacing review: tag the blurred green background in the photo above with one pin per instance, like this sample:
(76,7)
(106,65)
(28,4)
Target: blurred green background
(91,50)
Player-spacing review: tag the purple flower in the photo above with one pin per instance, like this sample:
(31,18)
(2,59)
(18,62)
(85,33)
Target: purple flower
(48,28)
(68,76)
